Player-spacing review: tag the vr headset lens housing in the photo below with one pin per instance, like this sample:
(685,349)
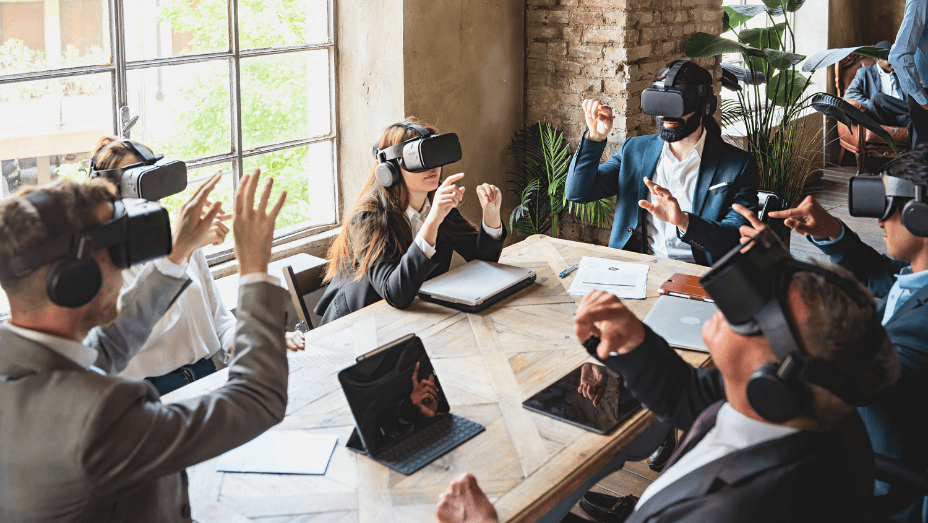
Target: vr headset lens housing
(668,102)
(154,178)
(422,154)
(877,196)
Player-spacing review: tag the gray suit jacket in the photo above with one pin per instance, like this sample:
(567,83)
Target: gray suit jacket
(80,446)
(865,85)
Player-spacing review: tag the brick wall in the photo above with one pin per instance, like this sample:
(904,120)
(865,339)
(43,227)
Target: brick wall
(608,50)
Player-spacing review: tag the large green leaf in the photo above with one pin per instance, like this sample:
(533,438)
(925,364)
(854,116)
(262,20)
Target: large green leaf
(786,87)
(704,44)
(849,115)
(732,18)
(764,37)
(730,80)
(782,60)
(791,5)
(753,10)
(833,56)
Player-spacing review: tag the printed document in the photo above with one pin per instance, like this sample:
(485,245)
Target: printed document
(281,452)
(625,280)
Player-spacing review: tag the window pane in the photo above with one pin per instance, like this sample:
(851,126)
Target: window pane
(278,23)
(222,192)
(49,126)
(285,97)
(296,170)
(38,36)
(183,110)
(166,28)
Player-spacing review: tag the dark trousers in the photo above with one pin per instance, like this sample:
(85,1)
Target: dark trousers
(889,110)
(918,128)
(182,376)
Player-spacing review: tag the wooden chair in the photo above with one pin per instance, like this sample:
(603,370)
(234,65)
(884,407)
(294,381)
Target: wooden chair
(850,139)
(300,284)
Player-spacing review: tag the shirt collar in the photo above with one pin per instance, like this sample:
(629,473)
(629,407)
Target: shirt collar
(74,351)
(741,431)
(697,150)
(912,281)
(412,213)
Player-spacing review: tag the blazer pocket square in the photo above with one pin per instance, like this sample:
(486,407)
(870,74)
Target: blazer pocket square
(716,186)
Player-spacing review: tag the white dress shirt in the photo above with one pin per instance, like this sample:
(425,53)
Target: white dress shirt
(733,431)
(889,83)
(196,326)
(417,220)
(679,177)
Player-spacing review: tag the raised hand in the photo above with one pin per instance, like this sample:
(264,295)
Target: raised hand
(218,231)
(464,502)
(811,219)
(754,227)
(598,119)
(664,207)
(602,315)
(191,225)
(254,227)
(490,200)
(447,197)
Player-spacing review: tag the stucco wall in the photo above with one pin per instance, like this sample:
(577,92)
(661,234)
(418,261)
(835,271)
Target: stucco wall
(882,19)
(463,67)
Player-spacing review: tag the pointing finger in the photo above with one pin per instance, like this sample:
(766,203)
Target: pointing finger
(451,179)
(748,215)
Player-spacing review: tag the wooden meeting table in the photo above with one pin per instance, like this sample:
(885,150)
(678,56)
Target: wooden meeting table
(488,364)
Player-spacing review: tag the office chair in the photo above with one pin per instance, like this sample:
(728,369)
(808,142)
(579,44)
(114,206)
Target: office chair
(300,284)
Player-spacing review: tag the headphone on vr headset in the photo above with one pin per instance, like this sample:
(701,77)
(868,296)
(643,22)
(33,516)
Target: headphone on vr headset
(388,171)
(704,94)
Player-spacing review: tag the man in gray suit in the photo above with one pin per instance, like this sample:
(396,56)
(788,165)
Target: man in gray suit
(878,89)
(77,444)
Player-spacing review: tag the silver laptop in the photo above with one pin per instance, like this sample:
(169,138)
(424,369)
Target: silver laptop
(680,321)
(475,286)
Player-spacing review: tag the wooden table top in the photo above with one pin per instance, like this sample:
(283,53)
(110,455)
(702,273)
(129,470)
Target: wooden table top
(488,364)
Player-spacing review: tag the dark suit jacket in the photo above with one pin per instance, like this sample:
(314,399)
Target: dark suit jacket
(713,228)
(865,85)
(398,281)
(806,476)
(896,423)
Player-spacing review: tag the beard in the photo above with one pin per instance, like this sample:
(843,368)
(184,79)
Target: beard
(679,132)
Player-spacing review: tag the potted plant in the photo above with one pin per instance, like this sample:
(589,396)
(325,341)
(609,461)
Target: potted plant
(542,157)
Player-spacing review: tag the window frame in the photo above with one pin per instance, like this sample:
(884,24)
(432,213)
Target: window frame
(119,67)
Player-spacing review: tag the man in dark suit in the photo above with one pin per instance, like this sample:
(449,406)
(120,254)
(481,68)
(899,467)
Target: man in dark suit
(900,282)
(878,89)
(674,189)
(734,464)
(80,444)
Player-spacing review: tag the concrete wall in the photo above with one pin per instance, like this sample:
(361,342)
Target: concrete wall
(463,68)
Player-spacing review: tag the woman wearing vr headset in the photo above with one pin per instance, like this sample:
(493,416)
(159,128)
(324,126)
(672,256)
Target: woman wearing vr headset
(403,229)
(197,331)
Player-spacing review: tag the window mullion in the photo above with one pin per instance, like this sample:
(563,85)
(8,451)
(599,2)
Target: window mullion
(119,60)
(235,100)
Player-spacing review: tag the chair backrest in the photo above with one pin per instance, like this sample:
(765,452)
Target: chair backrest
(300,284)
(847,68)
(767,203)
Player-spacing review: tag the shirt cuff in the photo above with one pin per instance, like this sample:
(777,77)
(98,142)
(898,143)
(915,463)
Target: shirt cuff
(494,233)
(171,269)
(258,277)
(816,241)
(424,246)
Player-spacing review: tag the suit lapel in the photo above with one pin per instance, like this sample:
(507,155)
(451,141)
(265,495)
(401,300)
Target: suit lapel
(915,300)
(649,164)
(708,166)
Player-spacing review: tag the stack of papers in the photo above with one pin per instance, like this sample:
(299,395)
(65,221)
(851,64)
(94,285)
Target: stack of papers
(625,280)
(281,452)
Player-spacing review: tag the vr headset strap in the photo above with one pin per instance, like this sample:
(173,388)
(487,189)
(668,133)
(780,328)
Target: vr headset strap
(672,73)
(396,151)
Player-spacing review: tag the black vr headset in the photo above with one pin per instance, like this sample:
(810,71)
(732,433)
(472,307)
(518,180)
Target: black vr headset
(750,288)
(139,231)
(664,98)
(154,178)
(415,155)
(880,196)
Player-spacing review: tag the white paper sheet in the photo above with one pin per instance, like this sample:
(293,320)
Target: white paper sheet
(625,280)
(281,452)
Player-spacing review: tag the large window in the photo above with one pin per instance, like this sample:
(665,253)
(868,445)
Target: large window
(227,85)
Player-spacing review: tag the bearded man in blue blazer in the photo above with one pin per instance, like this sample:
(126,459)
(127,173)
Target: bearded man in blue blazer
(674,189)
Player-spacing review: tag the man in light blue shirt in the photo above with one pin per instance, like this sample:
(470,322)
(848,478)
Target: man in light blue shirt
(900,282)
(877,88)
(909,58)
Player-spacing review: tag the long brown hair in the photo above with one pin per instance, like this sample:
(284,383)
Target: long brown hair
(377,220)
(110,151)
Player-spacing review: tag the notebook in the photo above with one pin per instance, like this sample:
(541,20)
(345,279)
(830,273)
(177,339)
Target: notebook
(680,321)
(402,417)
(477,285)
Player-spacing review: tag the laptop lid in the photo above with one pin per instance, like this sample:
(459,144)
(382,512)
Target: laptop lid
(475,282)
(392,392)
(680,321)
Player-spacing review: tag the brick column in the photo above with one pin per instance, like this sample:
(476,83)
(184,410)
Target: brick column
(608,50)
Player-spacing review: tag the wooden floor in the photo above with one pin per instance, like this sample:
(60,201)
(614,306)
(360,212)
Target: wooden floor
(831,192)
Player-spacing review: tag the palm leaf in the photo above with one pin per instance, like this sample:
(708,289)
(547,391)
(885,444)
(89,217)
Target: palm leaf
(782,60)
(791,5)
(704,44)
(833,56)
(849,115)
(764,37)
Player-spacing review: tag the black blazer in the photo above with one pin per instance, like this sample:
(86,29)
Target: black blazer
(398,281)
(806,476)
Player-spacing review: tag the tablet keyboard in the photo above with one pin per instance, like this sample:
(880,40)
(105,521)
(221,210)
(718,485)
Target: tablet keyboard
(429,444)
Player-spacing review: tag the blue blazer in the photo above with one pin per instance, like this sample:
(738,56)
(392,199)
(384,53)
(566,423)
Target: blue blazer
(895,422)
(865,85)
(713,229)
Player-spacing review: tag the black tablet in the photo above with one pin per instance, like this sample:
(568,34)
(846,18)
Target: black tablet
(603,405)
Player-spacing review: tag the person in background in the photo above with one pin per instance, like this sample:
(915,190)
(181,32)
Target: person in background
(397,237)
(674,189)
(877,88)
(196,335)
(909,58)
